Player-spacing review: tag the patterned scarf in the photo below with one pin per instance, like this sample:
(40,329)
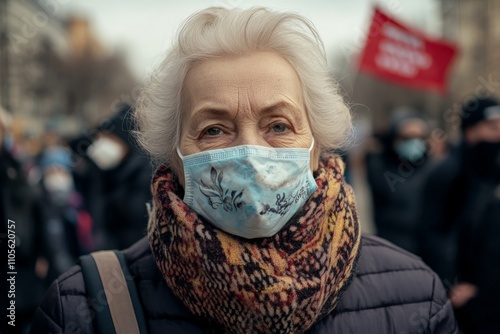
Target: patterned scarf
(281,284)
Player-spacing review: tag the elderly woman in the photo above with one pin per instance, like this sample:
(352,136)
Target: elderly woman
(253,229)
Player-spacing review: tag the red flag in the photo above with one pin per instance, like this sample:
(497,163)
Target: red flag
(406,56)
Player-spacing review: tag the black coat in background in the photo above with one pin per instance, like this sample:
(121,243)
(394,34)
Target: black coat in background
(443,203)
(478,259)
(116,199)
(19,204)
(397,188)
(461,240)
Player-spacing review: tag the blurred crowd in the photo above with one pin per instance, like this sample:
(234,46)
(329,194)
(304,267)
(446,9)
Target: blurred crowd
(436,199)
(75,196)
(441,201)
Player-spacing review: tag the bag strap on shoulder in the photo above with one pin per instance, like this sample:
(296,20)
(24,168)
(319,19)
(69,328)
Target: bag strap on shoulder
(112,293)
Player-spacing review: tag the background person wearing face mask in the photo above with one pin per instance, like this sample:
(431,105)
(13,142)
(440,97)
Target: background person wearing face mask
(66,223)
(114,178)
(396,176)
(462,210)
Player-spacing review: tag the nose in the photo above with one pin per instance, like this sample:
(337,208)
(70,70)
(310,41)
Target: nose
(250,136)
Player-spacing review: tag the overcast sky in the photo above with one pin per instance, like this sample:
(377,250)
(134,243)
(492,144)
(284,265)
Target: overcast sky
(144,29)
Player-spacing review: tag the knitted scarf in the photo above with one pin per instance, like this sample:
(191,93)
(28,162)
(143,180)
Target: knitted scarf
(280,284)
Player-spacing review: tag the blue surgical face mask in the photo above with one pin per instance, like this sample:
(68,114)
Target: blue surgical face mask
(411,149)
(249,191)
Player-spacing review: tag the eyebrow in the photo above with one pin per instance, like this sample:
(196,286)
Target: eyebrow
(209,111)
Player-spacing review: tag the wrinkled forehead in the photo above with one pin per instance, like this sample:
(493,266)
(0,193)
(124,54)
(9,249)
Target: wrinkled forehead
(258,79)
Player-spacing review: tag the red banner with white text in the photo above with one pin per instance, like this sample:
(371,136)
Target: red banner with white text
(405,56)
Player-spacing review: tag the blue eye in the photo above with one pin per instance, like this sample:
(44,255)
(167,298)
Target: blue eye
(279,127)
(213,131)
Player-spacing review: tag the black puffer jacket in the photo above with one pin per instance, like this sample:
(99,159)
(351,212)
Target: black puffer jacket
(393,292)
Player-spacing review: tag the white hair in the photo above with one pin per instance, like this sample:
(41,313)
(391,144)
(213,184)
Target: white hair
(218,32)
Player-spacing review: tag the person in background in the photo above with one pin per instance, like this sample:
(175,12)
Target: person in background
(20,217)
(253,228)
(396,175)
(66,224)
(114,177)
(462,216)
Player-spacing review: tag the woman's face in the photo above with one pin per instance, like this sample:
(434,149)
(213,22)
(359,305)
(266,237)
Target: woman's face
(250,100)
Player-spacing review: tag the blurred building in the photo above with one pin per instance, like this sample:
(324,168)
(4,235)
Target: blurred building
(81,39)
(32,38)
(54,69)
(96,77)
(475,27)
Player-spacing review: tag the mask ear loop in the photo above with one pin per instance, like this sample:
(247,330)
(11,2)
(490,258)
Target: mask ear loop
(312,145)
(179,153)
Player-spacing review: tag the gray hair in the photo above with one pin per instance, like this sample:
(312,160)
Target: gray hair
(216,32)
